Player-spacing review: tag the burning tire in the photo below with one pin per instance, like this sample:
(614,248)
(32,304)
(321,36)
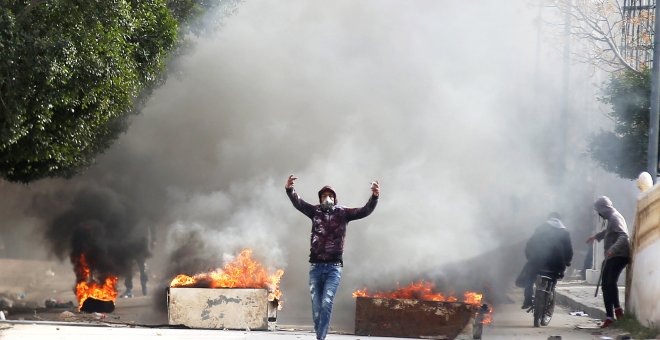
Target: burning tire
(92,305)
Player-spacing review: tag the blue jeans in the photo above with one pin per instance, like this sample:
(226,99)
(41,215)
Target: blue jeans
(323,283)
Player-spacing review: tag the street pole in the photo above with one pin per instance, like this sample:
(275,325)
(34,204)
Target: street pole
(565,94)
(652,165)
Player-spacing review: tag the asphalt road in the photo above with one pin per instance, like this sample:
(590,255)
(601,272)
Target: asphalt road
(509,322)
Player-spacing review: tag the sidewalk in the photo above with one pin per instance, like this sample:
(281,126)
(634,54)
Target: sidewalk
(579,296)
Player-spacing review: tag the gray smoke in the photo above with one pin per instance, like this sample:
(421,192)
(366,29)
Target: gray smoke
(453,106)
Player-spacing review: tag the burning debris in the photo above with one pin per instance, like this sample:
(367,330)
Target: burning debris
(417,311)
(241,295)
(421,290)
(243,272)
(56,304)
(95,293)
(102,235)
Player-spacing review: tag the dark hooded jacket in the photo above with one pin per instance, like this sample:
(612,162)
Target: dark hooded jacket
(550,247)
(616,232)
(329,226)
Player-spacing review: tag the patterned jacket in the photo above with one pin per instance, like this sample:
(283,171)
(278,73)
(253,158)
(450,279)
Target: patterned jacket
(329,226)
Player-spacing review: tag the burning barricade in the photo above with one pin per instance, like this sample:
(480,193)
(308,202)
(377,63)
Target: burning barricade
(96,292)
(241,295)
(417,311)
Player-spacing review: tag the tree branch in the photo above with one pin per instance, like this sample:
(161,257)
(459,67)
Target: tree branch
(597,32)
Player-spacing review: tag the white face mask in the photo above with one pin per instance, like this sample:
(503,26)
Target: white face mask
(328,203)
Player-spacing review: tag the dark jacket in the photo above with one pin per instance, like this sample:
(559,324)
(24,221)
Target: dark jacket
(329,226)
(616,232)
(550,247)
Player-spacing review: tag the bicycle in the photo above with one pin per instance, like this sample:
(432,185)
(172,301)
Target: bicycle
(544,297)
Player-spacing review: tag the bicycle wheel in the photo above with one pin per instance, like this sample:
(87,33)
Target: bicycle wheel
(549,309)
(539,306)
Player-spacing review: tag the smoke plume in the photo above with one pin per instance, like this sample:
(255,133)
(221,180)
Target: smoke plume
(453,106)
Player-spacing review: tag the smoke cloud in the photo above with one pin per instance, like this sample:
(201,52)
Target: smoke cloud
(453,107)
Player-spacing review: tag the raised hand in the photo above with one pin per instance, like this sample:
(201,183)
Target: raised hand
(290,182)
(375,188)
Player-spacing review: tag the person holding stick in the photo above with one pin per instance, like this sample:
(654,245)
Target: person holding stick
(617,256)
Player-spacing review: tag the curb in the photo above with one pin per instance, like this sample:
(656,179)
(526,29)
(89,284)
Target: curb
(575,305)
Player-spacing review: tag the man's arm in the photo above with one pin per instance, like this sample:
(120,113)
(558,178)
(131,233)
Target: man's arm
(596,237)
(298,202)
(358,213)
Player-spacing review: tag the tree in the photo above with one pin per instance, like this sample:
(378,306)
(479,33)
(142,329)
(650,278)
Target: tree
(617,36)
(73,71)
(624,150)
(611,34)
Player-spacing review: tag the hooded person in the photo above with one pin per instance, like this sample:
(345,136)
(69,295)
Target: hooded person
(329,221)
(617,256)
(549,250)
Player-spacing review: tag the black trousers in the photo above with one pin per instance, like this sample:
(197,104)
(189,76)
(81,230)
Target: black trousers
(128,281)
(611,271)
(529,290)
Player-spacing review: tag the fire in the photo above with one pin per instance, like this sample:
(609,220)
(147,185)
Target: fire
(488,317)
(421,291)
(87,286)
(424,291)
(472,298)
(243,272)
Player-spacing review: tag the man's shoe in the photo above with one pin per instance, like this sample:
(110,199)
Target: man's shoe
(607,323)
(526,305)
(127,294)
(619,313)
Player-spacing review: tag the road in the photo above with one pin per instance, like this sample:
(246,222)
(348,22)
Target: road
(509,322)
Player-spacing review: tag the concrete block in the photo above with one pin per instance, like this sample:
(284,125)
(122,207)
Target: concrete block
(221,308)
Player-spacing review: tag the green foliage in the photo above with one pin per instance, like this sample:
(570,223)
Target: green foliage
(630,324)
(623,151)
(73,71)
(69,74)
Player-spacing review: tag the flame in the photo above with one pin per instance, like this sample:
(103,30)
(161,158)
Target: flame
(472,298)
(488,317)
(424,291)
(417,290)
(87,286)
(243,272)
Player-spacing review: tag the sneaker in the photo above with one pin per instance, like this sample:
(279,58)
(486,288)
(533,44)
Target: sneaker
(127,294)
(607,323)
(619,313)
